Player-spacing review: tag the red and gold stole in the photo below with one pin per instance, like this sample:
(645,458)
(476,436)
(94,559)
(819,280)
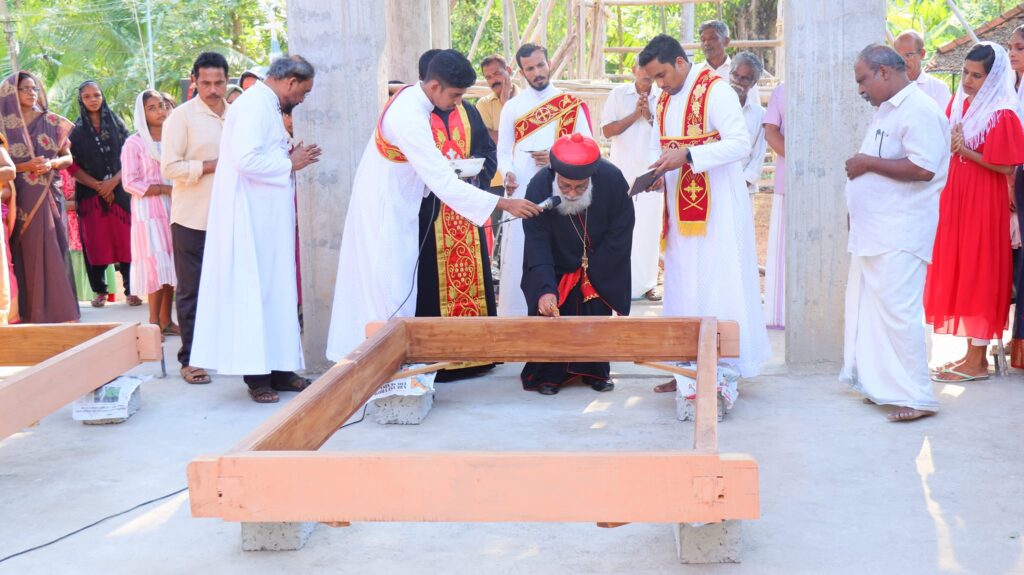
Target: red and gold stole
(460,268)
(563,108)
(693,201)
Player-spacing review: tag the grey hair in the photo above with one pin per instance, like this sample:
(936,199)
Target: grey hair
(878,55)
(291,67)
(750,59)
(915,36)
(720,28)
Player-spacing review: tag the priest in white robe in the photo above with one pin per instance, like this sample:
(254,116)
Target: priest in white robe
(710,259)
(893,198)
(401,165)
(627,119)
(529,125)
(247,316)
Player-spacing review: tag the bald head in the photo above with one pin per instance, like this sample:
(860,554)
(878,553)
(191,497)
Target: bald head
(910,46)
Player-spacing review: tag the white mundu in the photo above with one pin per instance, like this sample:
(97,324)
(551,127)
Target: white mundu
(715,274)
(892,230)
(513,156)
(246,320)
(629,154)
(379,246)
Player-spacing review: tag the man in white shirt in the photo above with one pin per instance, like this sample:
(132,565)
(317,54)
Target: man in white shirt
(714,39)
(627,119)
(893,198)
(746,71)
(910,46)
(528,126)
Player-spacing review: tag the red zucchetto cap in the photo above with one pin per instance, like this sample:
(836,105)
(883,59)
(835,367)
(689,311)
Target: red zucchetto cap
(575,156)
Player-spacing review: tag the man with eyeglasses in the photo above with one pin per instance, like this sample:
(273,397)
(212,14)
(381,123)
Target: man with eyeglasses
(576,257)
(910,46)
(746,71)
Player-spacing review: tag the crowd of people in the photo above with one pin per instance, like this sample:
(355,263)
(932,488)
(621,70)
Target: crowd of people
(197,209)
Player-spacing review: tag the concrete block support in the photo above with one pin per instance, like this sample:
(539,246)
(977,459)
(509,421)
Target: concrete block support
(686,409)
(275,536)
(403,409)
(708,542)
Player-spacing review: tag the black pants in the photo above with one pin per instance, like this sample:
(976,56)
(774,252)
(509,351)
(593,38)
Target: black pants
(97,277)
(97,274)
(188,264)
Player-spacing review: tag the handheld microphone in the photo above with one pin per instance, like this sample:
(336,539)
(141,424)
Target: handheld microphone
(549,203)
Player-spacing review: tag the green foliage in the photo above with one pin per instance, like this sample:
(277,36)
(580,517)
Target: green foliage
(70,41)
(936,22)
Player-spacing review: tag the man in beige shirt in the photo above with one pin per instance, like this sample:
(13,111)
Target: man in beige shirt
(189,150)
(499,77)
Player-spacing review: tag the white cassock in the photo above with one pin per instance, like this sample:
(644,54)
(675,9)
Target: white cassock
(716,274)
(892,230)
(379,246)
(246,319)
(513,157)
(629,154)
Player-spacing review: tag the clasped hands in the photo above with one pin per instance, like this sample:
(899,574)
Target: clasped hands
(302,156)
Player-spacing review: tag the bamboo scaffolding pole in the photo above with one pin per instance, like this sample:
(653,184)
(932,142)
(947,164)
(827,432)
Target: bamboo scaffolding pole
(693,46)
(532,22)
(480,29)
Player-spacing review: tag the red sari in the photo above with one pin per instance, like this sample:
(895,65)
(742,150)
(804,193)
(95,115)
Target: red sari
(969,284)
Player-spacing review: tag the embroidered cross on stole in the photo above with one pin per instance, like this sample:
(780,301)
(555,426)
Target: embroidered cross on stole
(563,108)
(692,194)
(460,269)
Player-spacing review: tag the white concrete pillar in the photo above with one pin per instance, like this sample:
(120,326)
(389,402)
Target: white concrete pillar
(408,36)
(345,42)
(825,122)
(440,24)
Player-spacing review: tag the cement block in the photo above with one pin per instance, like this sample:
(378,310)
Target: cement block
(686,409)
(275,536)
(403,409)
(708,542)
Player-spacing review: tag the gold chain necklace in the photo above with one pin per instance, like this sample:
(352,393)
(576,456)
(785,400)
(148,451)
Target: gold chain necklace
(584,262)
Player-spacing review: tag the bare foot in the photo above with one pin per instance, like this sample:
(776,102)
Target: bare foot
(908,414)
(667,387)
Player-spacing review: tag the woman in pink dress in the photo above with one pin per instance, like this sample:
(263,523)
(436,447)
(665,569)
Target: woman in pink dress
(152,268)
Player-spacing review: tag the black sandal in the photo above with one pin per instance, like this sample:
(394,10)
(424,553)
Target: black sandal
(288,381)
(264,395)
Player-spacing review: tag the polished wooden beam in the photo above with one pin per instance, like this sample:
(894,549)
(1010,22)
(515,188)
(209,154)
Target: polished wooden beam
(38,391)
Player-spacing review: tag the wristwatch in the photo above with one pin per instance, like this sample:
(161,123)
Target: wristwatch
(689,157)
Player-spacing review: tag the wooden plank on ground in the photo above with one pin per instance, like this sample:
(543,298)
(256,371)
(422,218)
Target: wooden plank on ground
(705,424)
(30,344)
(561,339)
(34,393)
(312,417)
(657,487)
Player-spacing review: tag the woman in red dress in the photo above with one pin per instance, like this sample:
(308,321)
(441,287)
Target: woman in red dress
(968,287)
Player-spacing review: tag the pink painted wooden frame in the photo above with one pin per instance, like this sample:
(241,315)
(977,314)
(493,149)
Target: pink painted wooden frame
(276,473)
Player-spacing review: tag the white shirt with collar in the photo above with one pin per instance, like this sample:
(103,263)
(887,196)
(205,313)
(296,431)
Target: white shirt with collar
(629,148)
(936,89)
(888,215)
(753,114)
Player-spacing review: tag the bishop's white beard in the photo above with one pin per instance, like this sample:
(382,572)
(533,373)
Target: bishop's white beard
(573,206)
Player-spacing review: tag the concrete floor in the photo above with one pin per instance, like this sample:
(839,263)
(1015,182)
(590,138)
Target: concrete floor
(842,490)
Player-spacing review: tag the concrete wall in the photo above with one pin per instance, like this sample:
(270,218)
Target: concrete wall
(345,42)
(408,31)
(825,122)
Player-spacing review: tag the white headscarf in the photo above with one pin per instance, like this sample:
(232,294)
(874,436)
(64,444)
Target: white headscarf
(142,126)
(997,93)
